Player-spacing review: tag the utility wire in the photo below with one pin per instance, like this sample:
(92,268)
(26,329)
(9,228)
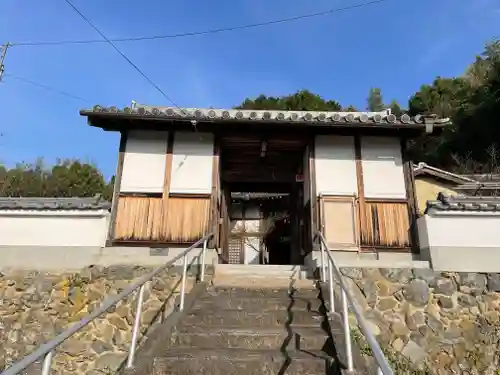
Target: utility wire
(204,32)
(9,75)
(122,54)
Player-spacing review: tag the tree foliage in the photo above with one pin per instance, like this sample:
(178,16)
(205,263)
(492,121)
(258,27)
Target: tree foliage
(302,100)
(472,101)
(67,178)
(375,101)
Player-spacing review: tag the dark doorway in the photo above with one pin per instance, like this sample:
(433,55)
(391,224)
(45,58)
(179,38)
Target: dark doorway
(278,242)
(259,175)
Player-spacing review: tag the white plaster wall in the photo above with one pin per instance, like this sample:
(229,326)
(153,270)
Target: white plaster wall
(53,228)
(192,163)
(459,230)
(335,165)
(144,162)
(461,242)
(382,165)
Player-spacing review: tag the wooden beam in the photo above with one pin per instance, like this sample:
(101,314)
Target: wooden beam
(361,189)
(116,188)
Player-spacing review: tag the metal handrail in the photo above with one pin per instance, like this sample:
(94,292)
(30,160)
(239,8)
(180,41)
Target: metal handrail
(46,350)
(347,299)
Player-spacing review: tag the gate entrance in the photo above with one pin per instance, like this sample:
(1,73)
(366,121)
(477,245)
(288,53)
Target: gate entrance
(262,211)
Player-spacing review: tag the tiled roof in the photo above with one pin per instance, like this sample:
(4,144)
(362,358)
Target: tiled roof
(425,169)
(35,203)
(312,117)
(464,203)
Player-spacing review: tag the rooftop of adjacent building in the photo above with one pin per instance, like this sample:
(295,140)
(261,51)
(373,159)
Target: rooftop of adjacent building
(69,203)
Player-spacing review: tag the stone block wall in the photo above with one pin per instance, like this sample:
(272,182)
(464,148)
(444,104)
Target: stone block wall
(35,307)
(440,323)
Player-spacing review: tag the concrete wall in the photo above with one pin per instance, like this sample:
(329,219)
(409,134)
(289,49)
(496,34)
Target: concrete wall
(460,241)
(427,188)
(61,228)
(48,258)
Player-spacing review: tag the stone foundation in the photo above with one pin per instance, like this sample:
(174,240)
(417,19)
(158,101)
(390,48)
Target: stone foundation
(35,307)
(444,323)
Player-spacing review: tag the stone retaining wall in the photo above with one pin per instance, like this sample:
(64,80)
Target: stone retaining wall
(442,323)
(35,307)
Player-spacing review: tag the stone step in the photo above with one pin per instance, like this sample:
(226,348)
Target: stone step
(261,292)
(260,281)
(242,362)
(259,304)
(251,338)
(221,318)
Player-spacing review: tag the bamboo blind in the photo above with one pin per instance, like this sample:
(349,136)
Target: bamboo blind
(146,219)
(385,224)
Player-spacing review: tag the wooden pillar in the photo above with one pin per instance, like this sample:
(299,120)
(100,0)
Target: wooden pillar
(410,196)
(116,188)
(315,223)
(166,184)
(215,201)
(361,190)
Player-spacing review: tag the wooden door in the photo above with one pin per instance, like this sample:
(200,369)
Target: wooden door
(339,223)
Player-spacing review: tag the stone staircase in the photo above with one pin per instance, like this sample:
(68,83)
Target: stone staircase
(231,330)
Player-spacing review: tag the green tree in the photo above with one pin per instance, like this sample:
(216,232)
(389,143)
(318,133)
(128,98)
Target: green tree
(303,100)
(375,101)
(395,108)
(67,178)
(472,101)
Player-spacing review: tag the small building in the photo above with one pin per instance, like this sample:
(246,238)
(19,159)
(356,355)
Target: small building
(264,182)
(430,181)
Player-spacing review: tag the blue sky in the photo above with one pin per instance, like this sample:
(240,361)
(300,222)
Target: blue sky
(397,46)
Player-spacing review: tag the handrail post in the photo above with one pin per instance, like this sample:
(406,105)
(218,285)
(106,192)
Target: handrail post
(330,283)
(135,329)
(347,331)
(47,363)
(183,281)
(203,252)
(322,248)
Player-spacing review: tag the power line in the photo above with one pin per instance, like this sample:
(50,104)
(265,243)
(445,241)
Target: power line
(204,32)
(122,54)
(45,87)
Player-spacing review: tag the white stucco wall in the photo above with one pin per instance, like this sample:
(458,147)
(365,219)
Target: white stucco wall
(53,228)
(460,241)
(192,163)
(335,165)
(382,164)
(144,162)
